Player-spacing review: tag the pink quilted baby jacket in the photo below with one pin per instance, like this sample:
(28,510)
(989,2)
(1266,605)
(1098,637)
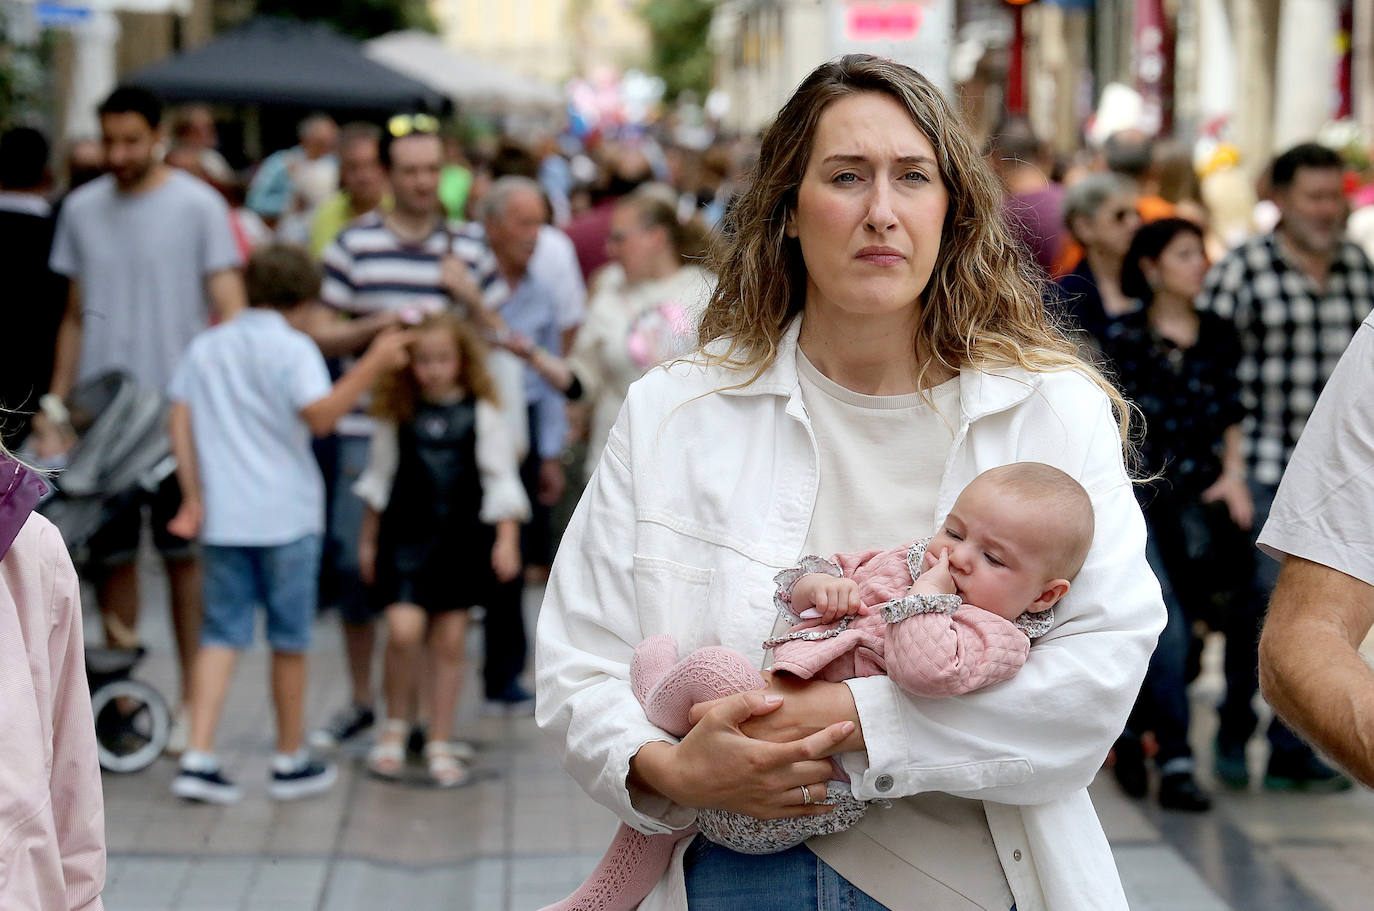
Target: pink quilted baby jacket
(928,654)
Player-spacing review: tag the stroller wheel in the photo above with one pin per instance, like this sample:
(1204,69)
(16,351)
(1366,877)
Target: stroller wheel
(132,724)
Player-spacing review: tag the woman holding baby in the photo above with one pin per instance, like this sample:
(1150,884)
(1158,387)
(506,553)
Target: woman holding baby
(875,343)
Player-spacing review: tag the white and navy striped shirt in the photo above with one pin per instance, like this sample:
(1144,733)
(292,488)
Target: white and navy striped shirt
(367,269)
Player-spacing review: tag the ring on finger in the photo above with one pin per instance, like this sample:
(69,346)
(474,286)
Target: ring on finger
(806,794)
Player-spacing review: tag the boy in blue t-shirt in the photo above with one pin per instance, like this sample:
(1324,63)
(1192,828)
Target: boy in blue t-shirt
(246,398)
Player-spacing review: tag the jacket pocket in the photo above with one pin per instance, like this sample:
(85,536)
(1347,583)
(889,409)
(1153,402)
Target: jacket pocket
(672,598)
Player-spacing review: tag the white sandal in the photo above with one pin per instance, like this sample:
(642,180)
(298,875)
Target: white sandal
(446,770)
(387,757)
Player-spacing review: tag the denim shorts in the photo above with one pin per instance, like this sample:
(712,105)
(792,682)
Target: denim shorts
(283,579)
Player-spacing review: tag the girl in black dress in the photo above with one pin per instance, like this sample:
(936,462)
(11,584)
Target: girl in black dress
(442,528)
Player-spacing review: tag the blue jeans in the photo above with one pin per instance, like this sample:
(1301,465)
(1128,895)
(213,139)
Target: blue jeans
(283,579)
(1242,628)
(345,521)
(1162,706)
(1193,549)
(719,879)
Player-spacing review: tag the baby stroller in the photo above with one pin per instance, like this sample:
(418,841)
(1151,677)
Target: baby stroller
(132,721)
(121,446)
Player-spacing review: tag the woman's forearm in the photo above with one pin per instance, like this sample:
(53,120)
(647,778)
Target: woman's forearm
(651,770)
(1233,452)
(552,368)
(807,706)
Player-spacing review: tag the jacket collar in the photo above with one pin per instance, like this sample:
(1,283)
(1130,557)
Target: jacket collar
(20,490)
(981,392)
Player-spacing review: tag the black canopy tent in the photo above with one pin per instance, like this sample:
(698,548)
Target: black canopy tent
(271,61)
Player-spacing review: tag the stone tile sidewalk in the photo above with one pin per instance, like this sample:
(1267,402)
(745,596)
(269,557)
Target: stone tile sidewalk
(523,835)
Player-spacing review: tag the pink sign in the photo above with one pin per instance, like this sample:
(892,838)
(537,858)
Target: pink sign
(888,22)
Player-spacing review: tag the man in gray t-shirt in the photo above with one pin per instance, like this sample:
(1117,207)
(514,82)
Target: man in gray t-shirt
(151,257)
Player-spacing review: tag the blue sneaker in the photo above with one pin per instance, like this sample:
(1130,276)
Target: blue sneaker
(308,778)
(1304,772)
(206,786)
(1228,762)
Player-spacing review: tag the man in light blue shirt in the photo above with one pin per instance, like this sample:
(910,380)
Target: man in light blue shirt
(512,213)
(290,183)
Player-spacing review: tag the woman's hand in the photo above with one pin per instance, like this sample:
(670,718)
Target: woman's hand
(505,560)
(367,561)
(808,707)
(505,552)
(718,766)
(1233,491)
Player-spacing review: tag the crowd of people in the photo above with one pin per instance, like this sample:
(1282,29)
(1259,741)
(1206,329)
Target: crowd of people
(411,311)
(1225,361)
(389,357)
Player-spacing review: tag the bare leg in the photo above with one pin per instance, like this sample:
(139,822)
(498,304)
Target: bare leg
(213,668)
(184,578)
(421,706)
(360,640)
(405,631)
(119,605)
(446,670)
(288,699)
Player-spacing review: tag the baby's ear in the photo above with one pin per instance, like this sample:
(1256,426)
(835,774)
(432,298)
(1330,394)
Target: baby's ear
(1054,590)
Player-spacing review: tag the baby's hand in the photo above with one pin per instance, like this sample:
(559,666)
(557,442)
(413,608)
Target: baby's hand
(817,596)
(936,580)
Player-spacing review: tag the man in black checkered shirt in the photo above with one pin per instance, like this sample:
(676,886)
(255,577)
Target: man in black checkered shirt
(1296,295)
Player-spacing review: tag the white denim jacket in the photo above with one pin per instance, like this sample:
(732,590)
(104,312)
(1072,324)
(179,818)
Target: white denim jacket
(705,492)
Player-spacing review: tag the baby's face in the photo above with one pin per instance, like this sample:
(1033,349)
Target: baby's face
(998,554)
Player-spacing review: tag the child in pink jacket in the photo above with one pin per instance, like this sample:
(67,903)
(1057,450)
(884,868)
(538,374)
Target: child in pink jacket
(52,818)
(1012,542)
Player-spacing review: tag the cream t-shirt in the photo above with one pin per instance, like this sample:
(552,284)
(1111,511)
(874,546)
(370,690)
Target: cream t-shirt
(881,462)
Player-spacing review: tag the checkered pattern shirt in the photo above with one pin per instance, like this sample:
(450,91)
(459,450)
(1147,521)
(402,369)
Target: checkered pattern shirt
(1292,334)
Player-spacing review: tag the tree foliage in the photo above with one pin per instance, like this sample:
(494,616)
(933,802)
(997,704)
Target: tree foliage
(679,51)
(358,18)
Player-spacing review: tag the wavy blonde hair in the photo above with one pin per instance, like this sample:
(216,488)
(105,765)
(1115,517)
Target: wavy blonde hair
(982,307)
(397,395)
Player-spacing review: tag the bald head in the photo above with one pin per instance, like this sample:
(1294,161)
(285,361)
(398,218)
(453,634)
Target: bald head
(1064,507)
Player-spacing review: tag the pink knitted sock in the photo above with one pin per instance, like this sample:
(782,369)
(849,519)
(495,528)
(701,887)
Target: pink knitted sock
(633,864)
(667,688)
(706,674)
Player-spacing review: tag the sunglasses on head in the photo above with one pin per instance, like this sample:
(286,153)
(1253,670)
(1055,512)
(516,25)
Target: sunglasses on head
(407,124)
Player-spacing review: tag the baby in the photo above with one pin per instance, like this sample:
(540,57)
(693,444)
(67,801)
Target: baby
(941,617)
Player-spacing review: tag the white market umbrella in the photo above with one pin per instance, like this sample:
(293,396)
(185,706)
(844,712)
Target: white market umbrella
(469,81)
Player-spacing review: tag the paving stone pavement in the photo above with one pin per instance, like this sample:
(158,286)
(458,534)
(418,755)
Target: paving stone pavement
(523,835)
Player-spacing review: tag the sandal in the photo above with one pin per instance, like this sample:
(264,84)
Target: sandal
(446,770)
(387,756)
